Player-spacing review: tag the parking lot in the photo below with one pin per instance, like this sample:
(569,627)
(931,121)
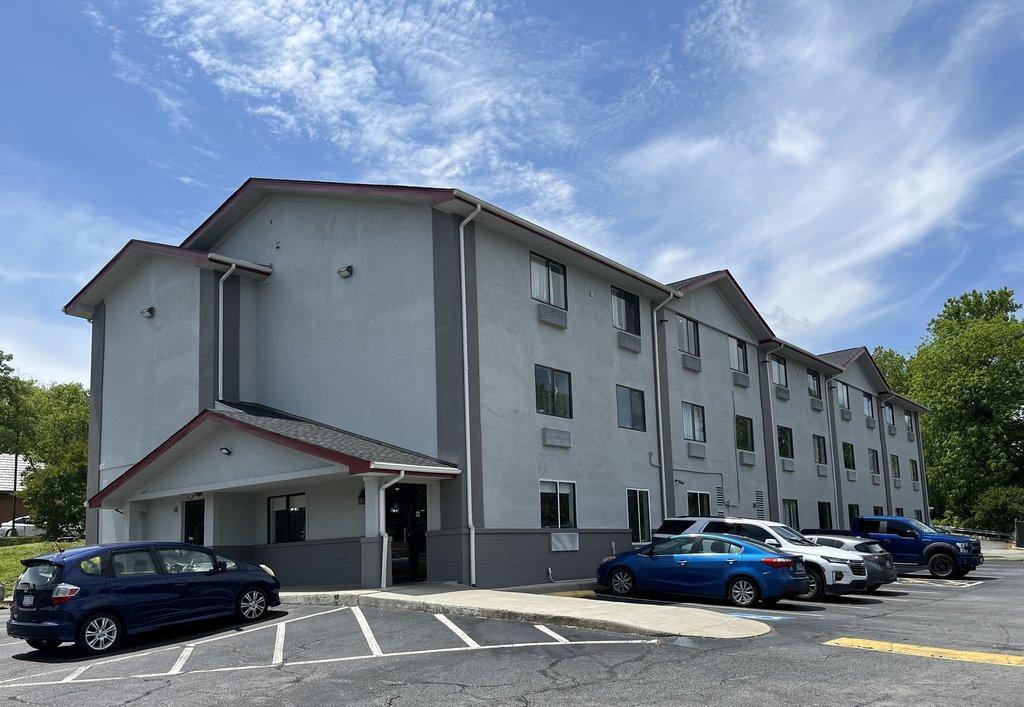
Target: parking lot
(949,635)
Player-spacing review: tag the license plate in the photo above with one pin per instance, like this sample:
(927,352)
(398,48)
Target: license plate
(28,600)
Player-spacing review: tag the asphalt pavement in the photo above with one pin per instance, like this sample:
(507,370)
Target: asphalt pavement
(955,642)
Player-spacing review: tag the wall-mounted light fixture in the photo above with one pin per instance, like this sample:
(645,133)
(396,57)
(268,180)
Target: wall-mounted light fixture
(345,271)
(361,498)
(225,451)
(148,312)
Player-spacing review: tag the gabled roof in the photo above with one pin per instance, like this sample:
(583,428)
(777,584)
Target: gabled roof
(7,472)
(804,356)
(359,453)
(133,257)
(844,358)
(739,299)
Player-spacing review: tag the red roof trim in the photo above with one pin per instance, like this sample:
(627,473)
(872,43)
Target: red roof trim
(436,195)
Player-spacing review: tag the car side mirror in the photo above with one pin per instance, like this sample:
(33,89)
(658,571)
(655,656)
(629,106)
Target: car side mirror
(221,565)
(773,542)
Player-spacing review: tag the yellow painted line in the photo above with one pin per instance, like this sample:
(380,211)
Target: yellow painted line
(930,651)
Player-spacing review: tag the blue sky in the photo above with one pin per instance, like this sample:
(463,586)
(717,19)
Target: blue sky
(853,164)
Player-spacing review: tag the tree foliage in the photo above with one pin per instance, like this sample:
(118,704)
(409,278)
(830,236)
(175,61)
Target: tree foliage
(998,507)
(895,367)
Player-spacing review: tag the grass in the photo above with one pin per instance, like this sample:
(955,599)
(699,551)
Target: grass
(12,555)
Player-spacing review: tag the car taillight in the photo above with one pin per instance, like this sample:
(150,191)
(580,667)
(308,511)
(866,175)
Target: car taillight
(778,561)
(63,593)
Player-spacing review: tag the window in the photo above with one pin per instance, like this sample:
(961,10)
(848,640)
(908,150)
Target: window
(710,546)
(790,512)
(915,475)
(554,391)
(629,403)
(744,530)
(738,355)
(849,460)
(785,442)
(547,281)
(638,502)
(899,512)
(693,423)
(889,415)
(625,311)
(698,503)
(689,336)
(853,511)
(877,511)
(813,384)
(557,504)
(843,395)
(825,515)
(675,527)
(287,518)
(919,516)
(183,560)
(135,563)
(679,546)
(91,566)
(894,462)
(873,461)
(869,405)
(908,421)
(820,453)
(744,434)
(779,376)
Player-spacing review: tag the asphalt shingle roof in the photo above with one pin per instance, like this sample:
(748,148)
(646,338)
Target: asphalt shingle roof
(325,436)
(7,472)
(696,279)
(842,357)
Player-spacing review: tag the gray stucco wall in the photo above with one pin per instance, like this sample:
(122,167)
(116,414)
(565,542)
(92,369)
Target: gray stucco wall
(150,383)
(604,460)
(92,483)
(713,388)
(803,484)
(862,491)
(357,353)
(906,496)
(327,563)
(521,557)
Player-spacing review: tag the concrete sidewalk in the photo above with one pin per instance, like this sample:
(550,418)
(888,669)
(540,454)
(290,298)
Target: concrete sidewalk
(457,600)
(993,550)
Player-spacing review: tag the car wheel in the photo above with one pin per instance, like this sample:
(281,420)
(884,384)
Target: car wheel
(621,582)
(942,566)
(873,588)
(252,604)
(12,533)
(816,588)
(742,592)
(99,633)
(42,644)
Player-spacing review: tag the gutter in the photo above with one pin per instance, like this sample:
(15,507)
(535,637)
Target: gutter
(465,397)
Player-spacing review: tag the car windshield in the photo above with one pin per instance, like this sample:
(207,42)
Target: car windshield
(762,547)
(38,575)
(919,526)
(790,535)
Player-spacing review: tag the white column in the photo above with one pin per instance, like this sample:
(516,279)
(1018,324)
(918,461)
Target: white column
(135,514)
(371,485)
(211,533)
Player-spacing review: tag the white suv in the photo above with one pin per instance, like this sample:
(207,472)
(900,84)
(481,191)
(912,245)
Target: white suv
(832,571)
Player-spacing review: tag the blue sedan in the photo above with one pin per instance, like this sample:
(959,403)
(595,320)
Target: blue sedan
(94,596)
(740,570)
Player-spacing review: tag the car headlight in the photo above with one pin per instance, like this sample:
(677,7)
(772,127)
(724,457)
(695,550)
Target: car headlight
(963,547)
(268,570)
(837,560)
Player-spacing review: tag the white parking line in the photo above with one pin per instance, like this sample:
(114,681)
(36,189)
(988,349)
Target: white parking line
(78,671)
(544,629)
(182,659)
(278,646)
(371,641)
(457,631)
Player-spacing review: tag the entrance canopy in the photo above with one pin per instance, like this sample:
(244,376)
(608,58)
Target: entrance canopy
(354,453)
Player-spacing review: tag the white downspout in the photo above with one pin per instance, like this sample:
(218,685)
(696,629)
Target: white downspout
(773,432)
(465,397)
(220,334)
(382,528)
(657,403)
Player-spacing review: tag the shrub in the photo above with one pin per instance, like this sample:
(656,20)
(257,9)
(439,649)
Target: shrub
(997,508)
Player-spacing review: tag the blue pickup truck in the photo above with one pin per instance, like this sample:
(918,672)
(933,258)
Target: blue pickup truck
(911,542)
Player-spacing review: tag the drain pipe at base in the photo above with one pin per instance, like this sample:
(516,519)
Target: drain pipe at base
(383,531)
(465,397)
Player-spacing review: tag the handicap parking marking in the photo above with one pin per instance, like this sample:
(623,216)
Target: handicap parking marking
(371,640)
(759,616)
(544,629)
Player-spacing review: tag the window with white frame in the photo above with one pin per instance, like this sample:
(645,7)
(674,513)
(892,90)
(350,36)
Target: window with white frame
(638,502)
(557,504)
(738,355)
(908,420)
(894,464)
(915,474)
(625,311)
(890,416)
(813,384)
(554,391)
(629,405)
(791,512)
(698,503)
(843,395)
(779,375)
(689,336)
(869,405)
(820,450)
(693,423)
(873,461)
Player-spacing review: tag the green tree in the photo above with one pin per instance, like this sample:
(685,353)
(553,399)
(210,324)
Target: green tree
(997,508)
(55,488)
(17,418)
(895,367)
(969,371)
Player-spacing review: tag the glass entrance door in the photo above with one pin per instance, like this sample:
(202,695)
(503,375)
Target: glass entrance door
(406,522)
(193,515)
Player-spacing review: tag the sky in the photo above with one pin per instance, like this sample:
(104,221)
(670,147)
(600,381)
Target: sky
(853,164)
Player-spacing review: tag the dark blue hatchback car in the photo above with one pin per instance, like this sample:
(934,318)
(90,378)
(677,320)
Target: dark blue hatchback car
(95,595)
